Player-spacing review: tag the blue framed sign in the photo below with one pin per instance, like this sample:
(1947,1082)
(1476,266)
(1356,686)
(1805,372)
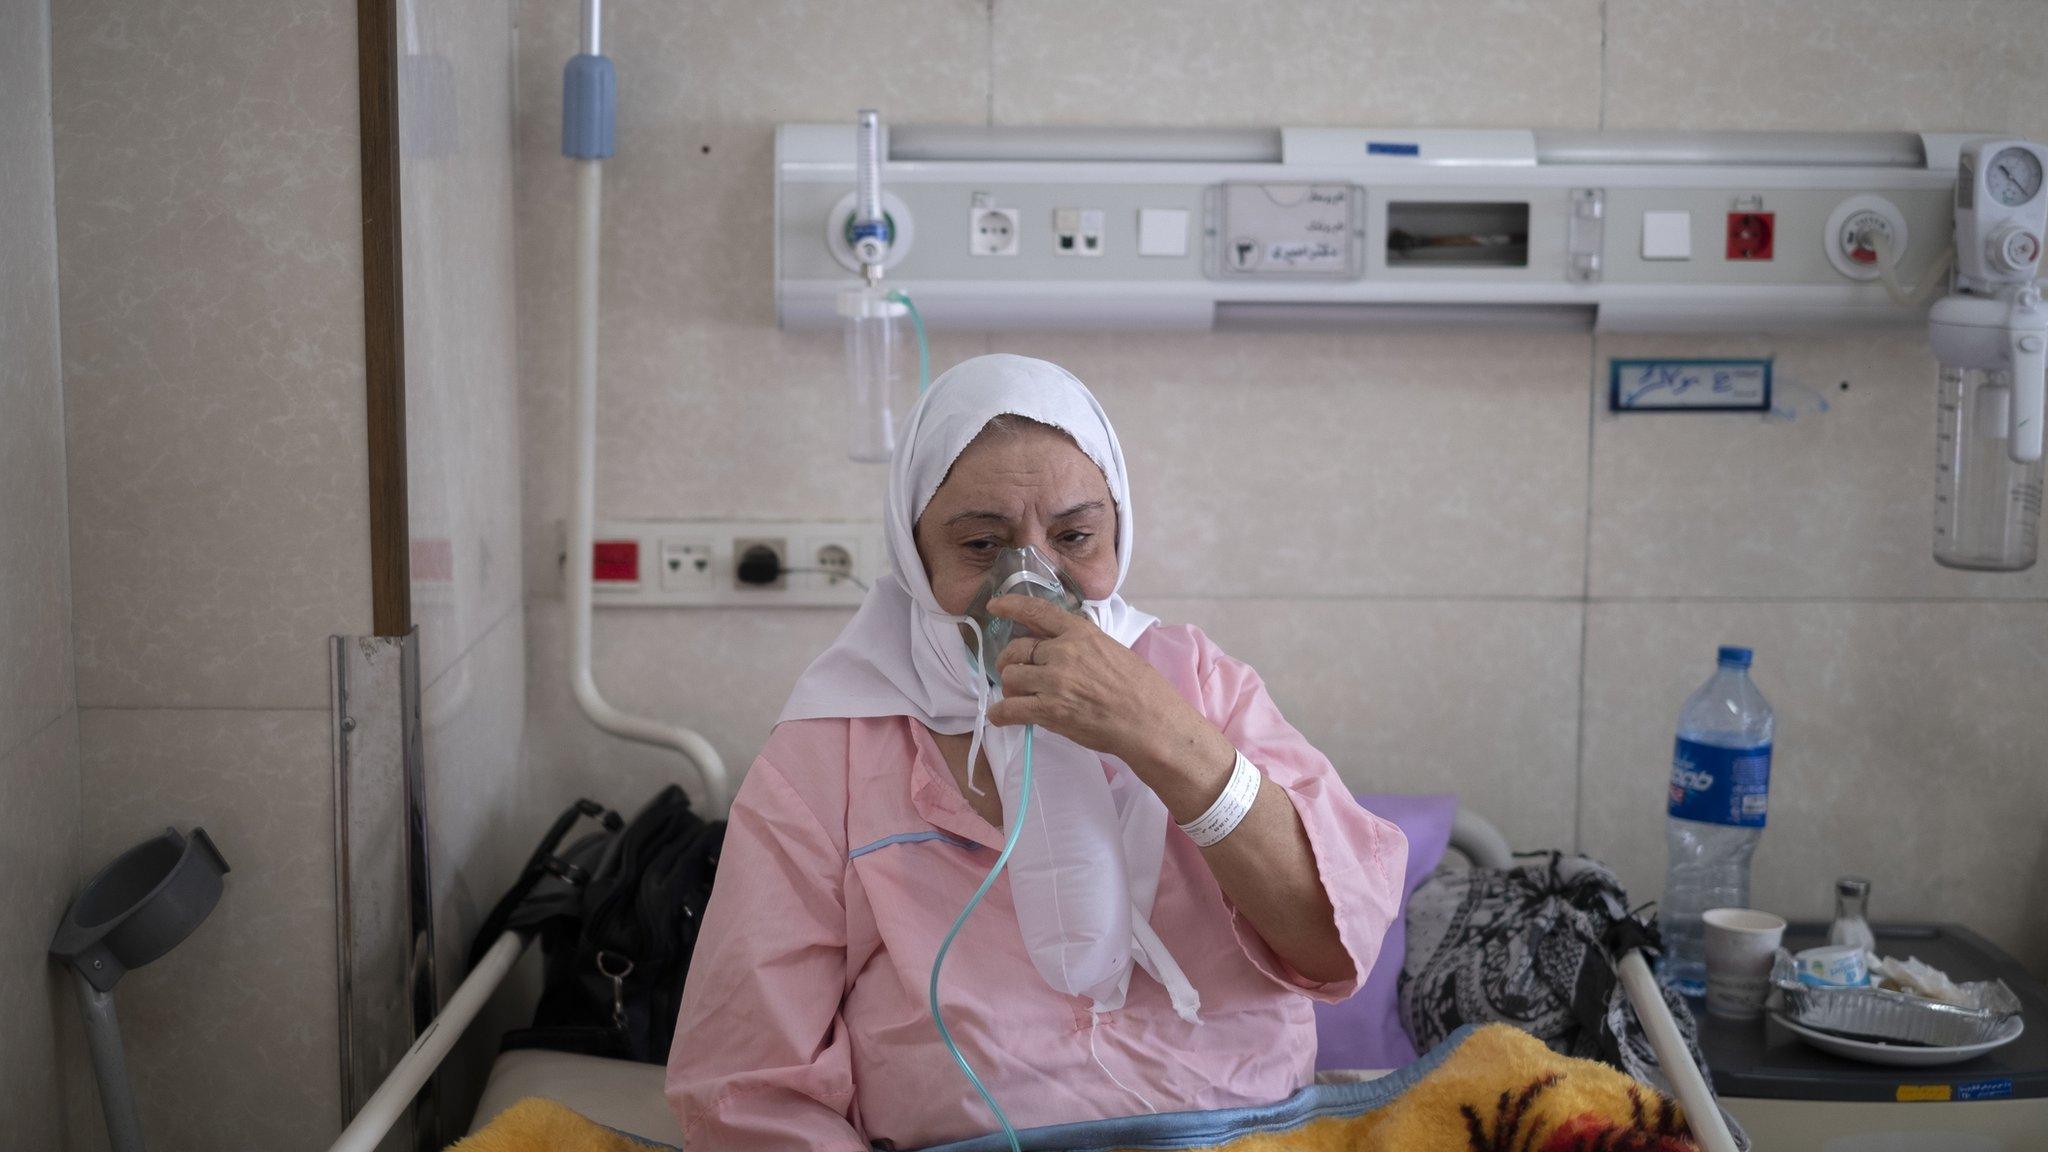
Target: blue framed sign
(1712,385)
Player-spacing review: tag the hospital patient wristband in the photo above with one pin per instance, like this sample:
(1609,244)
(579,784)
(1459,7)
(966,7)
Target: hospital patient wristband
(1228,811)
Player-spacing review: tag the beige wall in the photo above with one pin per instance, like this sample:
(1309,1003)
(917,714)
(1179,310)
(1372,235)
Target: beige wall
(39,820)
(206,165)
(1454,568)
(462,448)
(210,261)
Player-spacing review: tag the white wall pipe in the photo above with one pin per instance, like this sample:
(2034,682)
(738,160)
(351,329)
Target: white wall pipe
(386,1105)
(583,511)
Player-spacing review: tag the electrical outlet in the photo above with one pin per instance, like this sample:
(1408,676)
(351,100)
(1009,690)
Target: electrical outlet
(701,563)
(992,231)
(829,561)
(742,546)
(1750,235)
(835,562)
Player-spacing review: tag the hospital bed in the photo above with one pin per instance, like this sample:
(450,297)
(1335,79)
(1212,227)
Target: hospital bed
(627,1096)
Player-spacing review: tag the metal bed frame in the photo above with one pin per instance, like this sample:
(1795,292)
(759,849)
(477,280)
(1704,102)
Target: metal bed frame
(1472,836)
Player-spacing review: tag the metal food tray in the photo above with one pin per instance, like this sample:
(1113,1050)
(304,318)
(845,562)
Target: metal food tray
(1880,1014)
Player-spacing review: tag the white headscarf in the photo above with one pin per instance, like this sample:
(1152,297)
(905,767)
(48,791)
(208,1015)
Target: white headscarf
(903,655)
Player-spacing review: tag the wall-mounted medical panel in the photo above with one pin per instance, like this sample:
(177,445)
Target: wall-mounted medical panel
(1094,228)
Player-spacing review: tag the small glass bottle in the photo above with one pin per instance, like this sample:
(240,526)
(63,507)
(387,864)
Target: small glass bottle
(1852,907)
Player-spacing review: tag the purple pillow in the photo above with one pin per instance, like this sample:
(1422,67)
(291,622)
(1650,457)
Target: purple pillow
(1365,1031)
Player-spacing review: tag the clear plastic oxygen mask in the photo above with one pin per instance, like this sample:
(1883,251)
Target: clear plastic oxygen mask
(1022,571)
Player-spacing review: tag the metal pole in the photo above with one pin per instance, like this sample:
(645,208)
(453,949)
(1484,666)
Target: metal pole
(593,27)
(117,1095)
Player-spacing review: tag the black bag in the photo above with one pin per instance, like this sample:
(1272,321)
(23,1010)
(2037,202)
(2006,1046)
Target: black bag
(1535,946)
(617,915)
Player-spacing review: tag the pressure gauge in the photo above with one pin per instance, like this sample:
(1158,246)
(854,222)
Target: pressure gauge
(2013,177)
(2001,213)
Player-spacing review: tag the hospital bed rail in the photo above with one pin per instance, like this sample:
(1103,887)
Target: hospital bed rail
(1472,836)
(382,1111)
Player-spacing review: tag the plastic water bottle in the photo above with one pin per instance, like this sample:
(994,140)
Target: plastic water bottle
(1720,790)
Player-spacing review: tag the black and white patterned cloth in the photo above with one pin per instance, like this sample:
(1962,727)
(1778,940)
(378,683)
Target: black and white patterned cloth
(1534,946)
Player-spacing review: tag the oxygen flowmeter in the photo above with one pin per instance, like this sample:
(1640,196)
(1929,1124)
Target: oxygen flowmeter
(1991,337)
(880,324)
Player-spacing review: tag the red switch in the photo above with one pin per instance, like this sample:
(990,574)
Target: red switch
(615,561)
(1749,235)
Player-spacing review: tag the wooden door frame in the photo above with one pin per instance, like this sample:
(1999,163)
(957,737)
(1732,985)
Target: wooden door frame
(384,318)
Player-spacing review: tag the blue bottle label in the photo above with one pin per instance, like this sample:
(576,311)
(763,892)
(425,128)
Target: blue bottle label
(1713,785)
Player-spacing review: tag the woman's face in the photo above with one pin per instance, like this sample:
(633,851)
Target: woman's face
(1017,486)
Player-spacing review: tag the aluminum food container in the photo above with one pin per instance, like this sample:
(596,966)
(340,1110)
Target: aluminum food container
(1879,1014)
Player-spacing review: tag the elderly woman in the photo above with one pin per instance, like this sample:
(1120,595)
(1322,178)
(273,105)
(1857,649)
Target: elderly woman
(864,828)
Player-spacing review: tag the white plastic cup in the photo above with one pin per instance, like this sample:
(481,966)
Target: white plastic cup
(1740,943)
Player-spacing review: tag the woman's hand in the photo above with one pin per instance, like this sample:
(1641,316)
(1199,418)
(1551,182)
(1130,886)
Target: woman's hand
(1071,678)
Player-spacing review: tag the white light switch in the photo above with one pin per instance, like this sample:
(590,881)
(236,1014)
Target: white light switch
(1162,231)
(1667,235)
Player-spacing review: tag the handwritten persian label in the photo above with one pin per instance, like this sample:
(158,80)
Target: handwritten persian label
(1317,255)
(1289,229)
(1690,385)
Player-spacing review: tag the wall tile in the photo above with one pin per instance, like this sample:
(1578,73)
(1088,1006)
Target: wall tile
(458,144)
(211,288)
(462,401)
(724,672)
(40,1055)
(1825,65)
(1469,63)
(1477,697)
(1908,750)
(39,852)
(681,437)
(1320,464)
(1832,495)
(1405,696)
(705,408)
(474,720)
(35,612)
(689,212)
(231,1038)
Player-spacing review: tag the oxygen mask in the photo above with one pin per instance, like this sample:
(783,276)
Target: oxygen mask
(1022,571)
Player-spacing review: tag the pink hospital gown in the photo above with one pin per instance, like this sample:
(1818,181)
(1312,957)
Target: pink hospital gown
(804,1022)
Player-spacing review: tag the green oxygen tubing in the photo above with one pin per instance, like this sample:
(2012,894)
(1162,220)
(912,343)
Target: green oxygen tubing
(924,353)
(1009,844)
